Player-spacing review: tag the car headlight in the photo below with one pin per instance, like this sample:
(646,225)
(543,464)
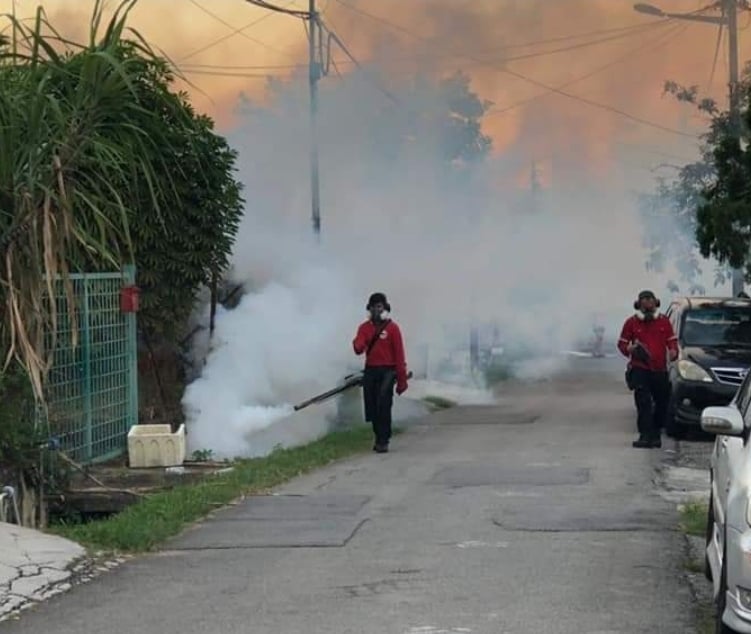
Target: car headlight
(692,372)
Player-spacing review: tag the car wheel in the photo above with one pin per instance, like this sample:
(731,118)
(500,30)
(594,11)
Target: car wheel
(720,627)
(708,538)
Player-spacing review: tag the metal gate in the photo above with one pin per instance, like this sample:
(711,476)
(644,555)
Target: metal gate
(92,386)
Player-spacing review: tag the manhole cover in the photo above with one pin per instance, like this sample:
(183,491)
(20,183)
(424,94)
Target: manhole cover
(472,475)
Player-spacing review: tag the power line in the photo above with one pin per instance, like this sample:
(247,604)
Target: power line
(219,73)
(716,57)
(337,40)
(658,42)
(235,31)
(297,13)
(571,47)
(410,59)
(530,80)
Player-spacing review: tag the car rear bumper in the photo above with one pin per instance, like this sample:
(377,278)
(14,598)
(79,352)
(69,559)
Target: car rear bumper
(691,398)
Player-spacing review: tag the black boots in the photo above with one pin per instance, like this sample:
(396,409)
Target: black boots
(647,443)
(378,448)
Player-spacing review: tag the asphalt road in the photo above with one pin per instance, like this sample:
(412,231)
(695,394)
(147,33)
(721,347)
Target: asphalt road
(532,516)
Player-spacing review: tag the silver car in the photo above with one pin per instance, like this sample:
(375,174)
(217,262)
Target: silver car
(728,554)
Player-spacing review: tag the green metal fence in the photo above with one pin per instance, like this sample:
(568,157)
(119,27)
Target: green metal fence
(92,386)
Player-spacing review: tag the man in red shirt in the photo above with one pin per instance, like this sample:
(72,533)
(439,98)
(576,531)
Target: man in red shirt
(380,339)
(648,341)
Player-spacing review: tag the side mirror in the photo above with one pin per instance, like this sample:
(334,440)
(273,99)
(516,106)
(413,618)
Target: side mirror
(723,421)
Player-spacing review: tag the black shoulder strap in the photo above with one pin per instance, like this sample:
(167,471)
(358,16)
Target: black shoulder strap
(376,336)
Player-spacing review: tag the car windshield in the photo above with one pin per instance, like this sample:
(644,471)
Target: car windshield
(724,326)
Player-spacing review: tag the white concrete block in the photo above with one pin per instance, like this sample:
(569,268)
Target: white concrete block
(156,446)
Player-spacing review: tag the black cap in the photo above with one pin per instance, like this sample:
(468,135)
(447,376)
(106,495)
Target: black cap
(377,298)
(647,295)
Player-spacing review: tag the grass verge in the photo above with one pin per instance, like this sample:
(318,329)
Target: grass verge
(144,525)
(694,518)
(439,402)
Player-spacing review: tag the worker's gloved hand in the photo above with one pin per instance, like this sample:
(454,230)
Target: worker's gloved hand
(401,388)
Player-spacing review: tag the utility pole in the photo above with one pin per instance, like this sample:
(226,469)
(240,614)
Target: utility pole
(730,9)
(314,75)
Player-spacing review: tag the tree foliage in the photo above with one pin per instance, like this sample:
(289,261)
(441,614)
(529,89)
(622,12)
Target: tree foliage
(445,112)
(709,202)
(100,164)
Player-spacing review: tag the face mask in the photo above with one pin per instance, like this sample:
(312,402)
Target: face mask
(644,315)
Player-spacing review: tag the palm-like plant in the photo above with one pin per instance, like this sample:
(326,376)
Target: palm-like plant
(77,148)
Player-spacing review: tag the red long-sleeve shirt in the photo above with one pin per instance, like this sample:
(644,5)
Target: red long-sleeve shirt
(388,350)
(656,335)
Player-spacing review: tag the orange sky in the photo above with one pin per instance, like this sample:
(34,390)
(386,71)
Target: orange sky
(478,36)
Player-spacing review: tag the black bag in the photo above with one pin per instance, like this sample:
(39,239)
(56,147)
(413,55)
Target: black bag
(630,378)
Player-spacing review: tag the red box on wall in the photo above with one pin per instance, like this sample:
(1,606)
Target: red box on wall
(129,299)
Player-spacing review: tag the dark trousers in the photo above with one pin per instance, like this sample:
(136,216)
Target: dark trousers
(378,394)
(651,396)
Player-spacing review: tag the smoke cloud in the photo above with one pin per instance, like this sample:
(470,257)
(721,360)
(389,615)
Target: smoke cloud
(448,244)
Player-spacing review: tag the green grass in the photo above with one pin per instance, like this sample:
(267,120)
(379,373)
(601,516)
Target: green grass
(705,619)
(439,402)
(694,518)
(694,566)
(148,523)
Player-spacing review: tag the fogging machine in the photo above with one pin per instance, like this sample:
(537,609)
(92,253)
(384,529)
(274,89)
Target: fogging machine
(350,381)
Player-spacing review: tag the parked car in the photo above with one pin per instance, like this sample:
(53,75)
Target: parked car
(714,336)
(728,532)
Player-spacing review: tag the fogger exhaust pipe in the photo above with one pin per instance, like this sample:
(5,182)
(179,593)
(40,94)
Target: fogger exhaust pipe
(353,380)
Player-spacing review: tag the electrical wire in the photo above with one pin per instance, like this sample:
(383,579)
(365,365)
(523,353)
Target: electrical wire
(411,59)
(530,80)
(305,15)
(659,42)
(573,47)
(716,57)
(450,55)
(235,31)
(220,73)
(338,41)
(222,21)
